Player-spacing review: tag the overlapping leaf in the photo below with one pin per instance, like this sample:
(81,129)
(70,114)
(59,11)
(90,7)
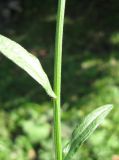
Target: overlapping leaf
(26,61)
(85,129)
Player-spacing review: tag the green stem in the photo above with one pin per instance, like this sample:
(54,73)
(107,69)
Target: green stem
(57,79)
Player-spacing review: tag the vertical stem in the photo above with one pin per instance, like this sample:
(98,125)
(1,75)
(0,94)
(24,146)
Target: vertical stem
(57,79)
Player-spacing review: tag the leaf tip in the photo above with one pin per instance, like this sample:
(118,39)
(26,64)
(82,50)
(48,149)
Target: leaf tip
(109,106)
(52,94)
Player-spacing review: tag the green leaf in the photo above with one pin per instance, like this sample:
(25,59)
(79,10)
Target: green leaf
(26,61)
(85,129)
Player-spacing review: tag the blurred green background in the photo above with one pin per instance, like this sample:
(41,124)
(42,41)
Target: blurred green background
(90,77)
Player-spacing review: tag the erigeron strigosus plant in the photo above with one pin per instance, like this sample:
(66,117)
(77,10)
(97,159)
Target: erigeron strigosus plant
(32,66)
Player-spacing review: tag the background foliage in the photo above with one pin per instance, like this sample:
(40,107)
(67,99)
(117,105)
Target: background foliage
(90,77)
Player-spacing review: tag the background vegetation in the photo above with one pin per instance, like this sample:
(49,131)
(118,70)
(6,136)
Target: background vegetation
(90,77)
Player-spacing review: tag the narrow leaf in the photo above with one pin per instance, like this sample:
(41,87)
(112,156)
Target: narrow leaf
(85,129)
(26,61)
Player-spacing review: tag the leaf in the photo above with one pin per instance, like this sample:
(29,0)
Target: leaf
(26,61)
(82,132)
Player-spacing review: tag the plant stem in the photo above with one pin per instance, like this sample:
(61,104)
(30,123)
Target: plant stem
(57,79)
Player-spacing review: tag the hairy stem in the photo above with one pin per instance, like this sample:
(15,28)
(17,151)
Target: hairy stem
(57,80)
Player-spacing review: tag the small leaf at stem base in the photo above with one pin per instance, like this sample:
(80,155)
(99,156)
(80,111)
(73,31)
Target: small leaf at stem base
(82,132)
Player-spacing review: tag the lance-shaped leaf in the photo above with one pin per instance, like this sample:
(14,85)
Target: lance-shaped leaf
(85,129)
(26,61)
